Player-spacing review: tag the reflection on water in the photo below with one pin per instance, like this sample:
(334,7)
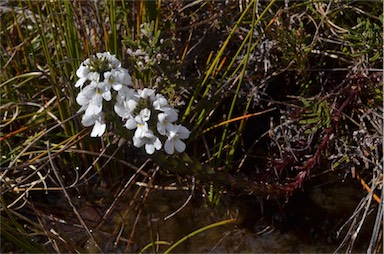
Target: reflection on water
(307,223)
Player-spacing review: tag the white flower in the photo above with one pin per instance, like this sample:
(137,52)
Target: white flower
(126,93)
(160,103)
(104,89)
(90,100)
(131,123)
(114,63)
(97,75)
(176,132)
(81,82)
(98,129)
(147,93)
(150,141)
(111,79)
(143,135)
(97,120)
(91,97)
(139,122)
(82,73)
(165,120)
(141,130)
(117,78)
(126,108)
(93,67)
(143,116)
(101,77)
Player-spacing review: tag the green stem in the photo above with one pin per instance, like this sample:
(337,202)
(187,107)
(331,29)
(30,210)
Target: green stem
(215,62)
(149,245)
(220,223)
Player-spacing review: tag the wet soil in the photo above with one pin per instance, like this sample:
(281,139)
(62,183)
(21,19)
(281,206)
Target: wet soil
(308,222)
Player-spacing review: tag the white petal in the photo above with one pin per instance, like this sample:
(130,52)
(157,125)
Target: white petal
(160,103)
(107,96)
(90,90)
(127,79)
(168,147)
(87,120)
(183,132)
(93,109)
(83,108)
(87,62)
(108,77)
(117,86)
(145,114)
(93,76)
(126,93)
(139,120)
(131,105)
(83,71)
(139,133)
(161,128)
(143,131)
(131,124)
(115,63)
(149,148)
(122,76)
(80,82)
(147,93)
(98,129)
(138,142)
(172,115)
(172,131)
(162,117)
(104,86)
(179,145)
(97,99)
(81,99)
(157,144)
(119,109)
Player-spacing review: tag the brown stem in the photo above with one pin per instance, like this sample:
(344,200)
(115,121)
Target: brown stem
(310,163)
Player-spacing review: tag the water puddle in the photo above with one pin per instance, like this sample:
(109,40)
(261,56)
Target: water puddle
(307,223)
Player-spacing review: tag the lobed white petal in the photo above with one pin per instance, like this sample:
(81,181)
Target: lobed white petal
(83,71)
(131,124)
(179,145)
(138,142)
(81,82)
(149,148)
(98,129)
(183,132)
(169,147)
(145,114)
(81,99)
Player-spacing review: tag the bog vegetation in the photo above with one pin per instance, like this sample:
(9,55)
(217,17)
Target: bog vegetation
(254,99)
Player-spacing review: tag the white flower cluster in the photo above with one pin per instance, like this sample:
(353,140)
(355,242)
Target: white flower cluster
(144,111)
